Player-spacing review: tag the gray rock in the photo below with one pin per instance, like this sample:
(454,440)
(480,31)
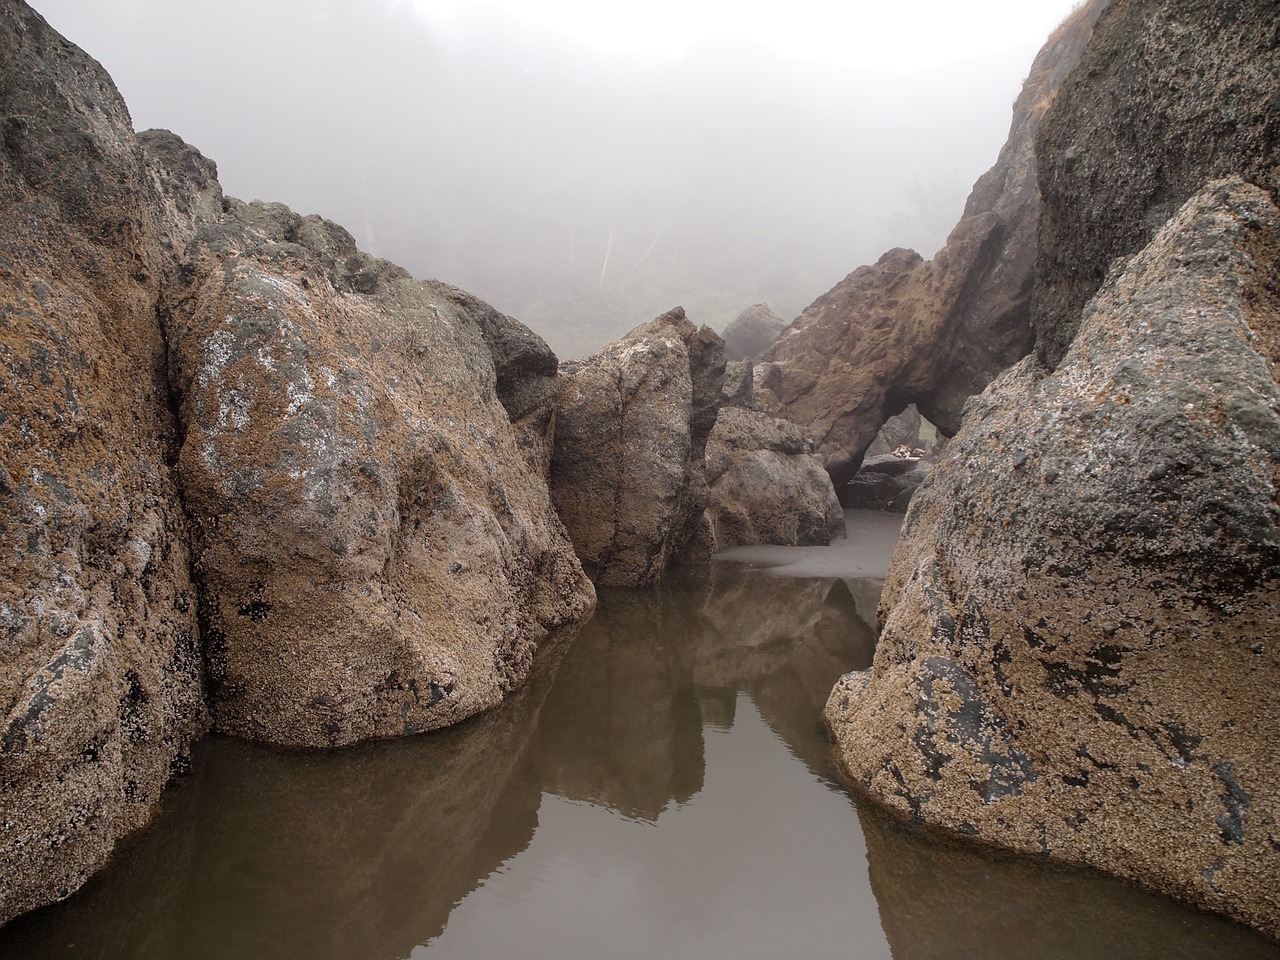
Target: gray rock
(376,551)
(764,485)
(751,332)
(100,660)
(1168,95)
(632,427)
(1079,623)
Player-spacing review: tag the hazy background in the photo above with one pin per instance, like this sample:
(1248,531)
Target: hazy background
(584,167)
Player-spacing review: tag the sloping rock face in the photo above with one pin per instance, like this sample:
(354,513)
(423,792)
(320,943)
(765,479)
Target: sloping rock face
(631,433)
(992,330)
(865,349)
(751,332)
(100,671)
(377,554)
(764,485)
(931,333)
(1169,95)
(1080,623)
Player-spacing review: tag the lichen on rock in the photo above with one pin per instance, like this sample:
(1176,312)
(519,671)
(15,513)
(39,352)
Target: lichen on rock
(1079,624)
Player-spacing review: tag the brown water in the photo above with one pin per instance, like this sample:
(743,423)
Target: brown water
(661,789)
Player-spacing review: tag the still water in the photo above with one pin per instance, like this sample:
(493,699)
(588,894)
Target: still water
(662,788)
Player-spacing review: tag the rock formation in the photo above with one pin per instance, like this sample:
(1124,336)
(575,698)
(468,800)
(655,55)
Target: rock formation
(236,453)
(661,457)
(885,483)
(376,554)
(764,485)
(1169,95)
(1079,625)
(100,667)
(930,332)
(865,349)
(751,332)
(632,428)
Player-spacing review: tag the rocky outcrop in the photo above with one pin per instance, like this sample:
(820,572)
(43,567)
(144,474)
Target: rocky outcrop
(376,553)
(764,485)
(885,483)
(661,457)
(992,328)
(1169,95)
(898,431)
(632,428)
(751,332)
(1079,625)
(872,344)
(931,333)
(100,667)
(238,459)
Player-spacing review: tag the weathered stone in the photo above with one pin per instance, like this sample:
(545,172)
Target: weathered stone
(1169,95)
(751,332)
(865,349)
(738,384)
(632,427)
(885,483)
(1080,622)
(100,675)
(929,333)
(898,431)
(993,328)
(764,485)
(376,554)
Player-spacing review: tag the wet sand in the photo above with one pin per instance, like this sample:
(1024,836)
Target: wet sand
(864,551)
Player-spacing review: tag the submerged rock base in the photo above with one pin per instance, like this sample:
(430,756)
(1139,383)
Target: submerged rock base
(1079,653)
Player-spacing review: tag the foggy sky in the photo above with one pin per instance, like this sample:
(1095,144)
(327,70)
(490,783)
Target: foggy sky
(579,192)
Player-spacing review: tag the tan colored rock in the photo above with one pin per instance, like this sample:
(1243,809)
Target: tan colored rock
(862,351)
(100,666)
(631,432)
(930,333)
(764,485)
(1078,655)
(377,555)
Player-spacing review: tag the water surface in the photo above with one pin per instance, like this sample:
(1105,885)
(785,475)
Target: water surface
(662,788)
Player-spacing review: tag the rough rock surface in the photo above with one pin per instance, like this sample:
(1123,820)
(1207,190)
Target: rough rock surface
(1169,95)
(931,333)
(1080,623)
(632,428)
(992,330)
(376,553)
(751,332)
(885,483)
(865,349)
(100,678)
(764,485)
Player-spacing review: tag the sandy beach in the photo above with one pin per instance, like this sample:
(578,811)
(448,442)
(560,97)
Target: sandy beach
(864,551)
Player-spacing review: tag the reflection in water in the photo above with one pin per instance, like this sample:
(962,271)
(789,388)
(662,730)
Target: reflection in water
(661,787)
(941,901)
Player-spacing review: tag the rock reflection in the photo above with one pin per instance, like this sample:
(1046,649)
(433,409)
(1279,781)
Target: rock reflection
(361,852)
(364,852)
(940,900)
(623,726)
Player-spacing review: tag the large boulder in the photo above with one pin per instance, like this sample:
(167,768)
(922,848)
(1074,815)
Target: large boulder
(1169,95)
(751,332)
(1080,622)
(934,332)
(631,432)
(100,665)
(376,552)
(764,485)
(873,343)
